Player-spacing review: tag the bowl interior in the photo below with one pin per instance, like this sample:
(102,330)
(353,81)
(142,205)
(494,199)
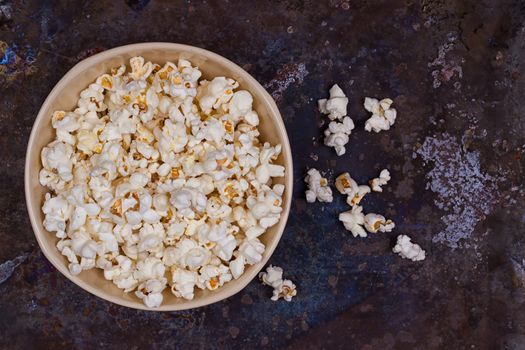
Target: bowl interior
(64,97)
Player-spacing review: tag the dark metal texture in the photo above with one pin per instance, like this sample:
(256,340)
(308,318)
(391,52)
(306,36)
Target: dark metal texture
(455,70)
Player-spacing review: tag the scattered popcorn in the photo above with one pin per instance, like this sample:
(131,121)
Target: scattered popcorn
(273,277)
(359,194)
(408,250)
(353,220)
(382,180)
(159,179)
(383,117)
(335,106)
(376,222)
(346,185)
(337,135)
(318,188)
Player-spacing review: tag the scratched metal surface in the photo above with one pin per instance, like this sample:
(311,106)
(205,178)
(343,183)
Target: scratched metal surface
(455,70)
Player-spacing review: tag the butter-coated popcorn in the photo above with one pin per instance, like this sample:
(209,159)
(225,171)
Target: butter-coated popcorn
(159,179)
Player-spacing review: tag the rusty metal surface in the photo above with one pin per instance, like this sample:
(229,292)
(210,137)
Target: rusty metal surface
(455,70)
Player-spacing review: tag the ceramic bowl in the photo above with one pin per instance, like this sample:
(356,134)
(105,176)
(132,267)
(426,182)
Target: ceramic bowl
(64,97)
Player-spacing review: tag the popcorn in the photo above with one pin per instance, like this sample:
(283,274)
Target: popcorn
(337,135)
(149,268)
(408,250)
(383,116)
(91,100)
(353,220)
(213,276)
(159,179)
(151,292)
(361,191)
(265,171)
(273,277)
(251,250)
(212,94)
(237,266)
(240,105)
(318,188)
(382,180)
(58,157)
(346,185)
(183,283)
(57,211)
(224,247)
(187,200)
(375,222)
(139,70)
(266,207)
(87,141)
(335,106)
(65,123)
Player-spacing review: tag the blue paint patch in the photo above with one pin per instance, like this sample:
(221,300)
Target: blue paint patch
(9,57)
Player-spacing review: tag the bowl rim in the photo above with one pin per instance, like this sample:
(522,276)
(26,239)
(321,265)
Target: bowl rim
(276,118)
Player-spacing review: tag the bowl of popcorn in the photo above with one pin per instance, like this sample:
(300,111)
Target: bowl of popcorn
(158,176)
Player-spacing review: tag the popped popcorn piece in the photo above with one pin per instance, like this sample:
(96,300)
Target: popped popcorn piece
(57,211)
(213,276)
(337,135)
(318,188)
(408,250)
(266,207)
(58,157)
(212,94)
(359,194)
(237,266)
(184,282)
(375,222)
(273,277)
(383,116)
(240,105)
(353,220)
(346,185)
(151,292)
(159,179)
(266,171)
(286,290)
(382,180)
(251,250)
(335,106)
